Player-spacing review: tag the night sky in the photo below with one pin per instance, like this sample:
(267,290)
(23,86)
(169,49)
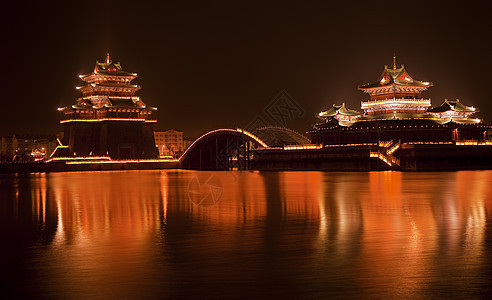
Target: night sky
(210,65)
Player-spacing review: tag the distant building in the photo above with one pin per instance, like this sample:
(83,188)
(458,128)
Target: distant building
(169,142)
(7,148)
(23,147)
(108,120)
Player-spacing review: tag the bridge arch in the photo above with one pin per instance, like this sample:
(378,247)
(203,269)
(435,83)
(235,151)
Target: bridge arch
(221,149)
(276,136)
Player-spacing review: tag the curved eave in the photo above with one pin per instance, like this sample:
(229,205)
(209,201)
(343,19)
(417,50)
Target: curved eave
(83,87)
(323,117)
(85,76)
(463,108)
(108,73)
(420,85)
(369,86)
(92,76)
(102,87)
(339,110)
(349,113)
(470,111)
(347,123)
(326,114)
(464,121)
(415,83)
(114,73)
(82,106)
(445,107)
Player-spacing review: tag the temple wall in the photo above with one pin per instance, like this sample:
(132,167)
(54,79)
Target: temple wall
(346,135)
(117,139)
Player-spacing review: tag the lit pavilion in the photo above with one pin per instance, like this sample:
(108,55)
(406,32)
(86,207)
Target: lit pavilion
(397,111)
(109,120)
(395,91)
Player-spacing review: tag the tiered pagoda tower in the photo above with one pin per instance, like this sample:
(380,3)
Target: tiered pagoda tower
(109,119)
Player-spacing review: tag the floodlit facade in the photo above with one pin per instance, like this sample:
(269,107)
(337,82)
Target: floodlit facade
(109,119)
(169,142)
(396,111)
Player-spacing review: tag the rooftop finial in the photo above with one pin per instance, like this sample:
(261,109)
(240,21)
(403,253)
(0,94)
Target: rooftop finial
(108,60)
(394,61)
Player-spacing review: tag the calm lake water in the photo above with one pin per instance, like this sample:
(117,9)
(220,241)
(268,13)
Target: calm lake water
(190,234)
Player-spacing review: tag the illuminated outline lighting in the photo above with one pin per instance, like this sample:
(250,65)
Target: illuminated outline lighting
(108,119)
(247,133)
(302,147)
(377,154)
(103,160)
(473,143)
(121,161)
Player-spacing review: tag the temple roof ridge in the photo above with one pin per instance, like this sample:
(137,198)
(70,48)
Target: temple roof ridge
(398,76)
(106,68)
(339,109)
(454,105)
(394,72)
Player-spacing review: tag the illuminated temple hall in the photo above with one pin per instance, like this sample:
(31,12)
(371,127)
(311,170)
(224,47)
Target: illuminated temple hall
(396,111)
(109,120)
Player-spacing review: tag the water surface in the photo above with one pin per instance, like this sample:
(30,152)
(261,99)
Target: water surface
(190,234)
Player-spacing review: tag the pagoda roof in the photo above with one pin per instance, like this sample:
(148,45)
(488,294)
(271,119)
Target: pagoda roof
(338,110)
(395,76)
(108,67)
(454,105)
(82,104)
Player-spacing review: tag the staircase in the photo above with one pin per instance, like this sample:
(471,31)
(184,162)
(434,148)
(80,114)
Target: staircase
(385,153)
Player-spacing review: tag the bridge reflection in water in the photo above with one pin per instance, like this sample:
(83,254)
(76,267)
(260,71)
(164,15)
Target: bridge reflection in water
(128,234)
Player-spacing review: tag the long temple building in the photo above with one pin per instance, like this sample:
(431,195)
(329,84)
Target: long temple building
(109,120)
(396,111)
(395,129)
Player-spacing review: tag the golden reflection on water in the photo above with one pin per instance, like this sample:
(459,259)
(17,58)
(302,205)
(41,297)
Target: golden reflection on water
(390,231)
(103,221)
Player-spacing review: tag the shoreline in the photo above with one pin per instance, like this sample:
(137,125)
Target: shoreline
(357,158)
(43,167)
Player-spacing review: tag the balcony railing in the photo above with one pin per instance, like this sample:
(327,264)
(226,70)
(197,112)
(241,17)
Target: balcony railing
(395,101)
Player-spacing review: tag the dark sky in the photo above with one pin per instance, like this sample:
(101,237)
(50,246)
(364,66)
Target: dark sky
(209,65)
